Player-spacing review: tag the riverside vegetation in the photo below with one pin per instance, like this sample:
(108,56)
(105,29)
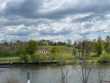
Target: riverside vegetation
(45,51)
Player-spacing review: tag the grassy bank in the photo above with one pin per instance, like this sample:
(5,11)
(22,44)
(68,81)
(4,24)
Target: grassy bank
(17,60)
(31,52)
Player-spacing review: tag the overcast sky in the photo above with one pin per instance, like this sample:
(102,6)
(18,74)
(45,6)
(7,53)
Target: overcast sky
(57,20)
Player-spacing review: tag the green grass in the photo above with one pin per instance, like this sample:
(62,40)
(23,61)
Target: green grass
(64,54)
(9,60)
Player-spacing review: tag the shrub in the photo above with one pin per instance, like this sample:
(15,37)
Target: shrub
(104,58)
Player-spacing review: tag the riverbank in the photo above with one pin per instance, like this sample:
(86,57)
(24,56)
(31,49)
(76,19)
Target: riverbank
(67,62)
(37,65)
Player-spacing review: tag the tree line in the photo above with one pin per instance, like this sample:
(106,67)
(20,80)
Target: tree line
(98,48)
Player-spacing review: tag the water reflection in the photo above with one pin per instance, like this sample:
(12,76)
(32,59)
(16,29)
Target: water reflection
(100,76)
(85,72)
(12,81)
(64,75)
(56,74)
(28,77)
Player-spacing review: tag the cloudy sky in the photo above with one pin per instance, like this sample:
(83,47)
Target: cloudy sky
(57,20)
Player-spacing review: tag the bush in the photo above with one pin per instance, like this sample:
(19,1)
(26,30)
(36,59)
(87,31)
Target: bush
(25,58)
(104,58)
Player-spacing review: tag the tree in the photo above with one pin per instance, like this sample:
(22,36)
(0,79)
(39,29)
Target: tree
(56,54)
(69,42)
(26,52)
(54,51)
(31,47)
(99,47)
(25,58)
(107,44)
(83,51)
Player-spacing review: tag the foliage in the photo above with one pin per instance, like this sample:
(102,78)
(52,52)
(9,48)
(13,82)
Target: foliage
(99,47)
(55,53)
(107,44)
(31,47)
(104,58)
(27,51)
(25,58)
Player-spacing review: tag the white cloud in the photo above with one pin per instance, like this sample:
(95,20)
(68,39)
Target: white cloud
(3,4)
(53,38)
(53,6)
(25,19)
(56,5)
(57,30)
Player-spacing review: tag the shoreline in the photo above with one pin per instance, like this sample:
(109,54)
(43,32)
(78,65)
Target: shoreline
(49,63)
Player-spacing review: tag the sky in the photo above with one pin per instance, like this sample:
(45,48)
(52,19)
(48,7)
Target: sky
(56,20)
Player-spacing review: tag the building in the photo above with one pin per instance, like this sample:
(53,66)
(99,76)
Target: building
(43,50)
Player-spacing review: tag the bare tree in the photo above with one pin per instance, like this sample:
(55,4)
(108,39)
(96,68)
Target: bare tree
(81,56)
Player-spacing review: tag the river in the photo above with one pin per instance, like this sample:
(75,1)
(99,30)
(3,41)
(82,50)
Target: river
(55,74)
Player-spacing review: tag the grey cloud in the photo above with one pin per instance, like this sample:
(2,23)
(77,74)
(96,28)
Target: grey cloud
(30,9)
(52,32)
(27,13)
(27,9)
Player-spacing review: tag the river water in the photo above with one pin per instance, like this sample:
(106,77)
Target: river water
(55,74)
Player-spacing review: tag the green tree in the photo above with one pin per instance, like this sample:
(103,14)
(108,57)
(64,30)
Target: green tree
(107,44)
(26,52)
(55,51)
(31,47)
(99,47)
(25,58)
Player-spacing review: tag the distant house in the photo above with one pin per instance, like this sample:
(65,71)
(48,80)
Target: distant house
(43,50)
